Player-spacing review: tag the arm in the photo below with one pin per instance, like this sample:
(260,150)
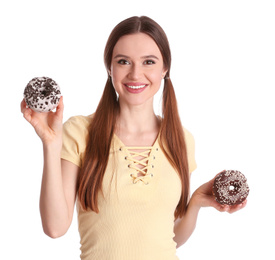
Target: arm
(58,193)
(184,227)
(202,197)
(58,189)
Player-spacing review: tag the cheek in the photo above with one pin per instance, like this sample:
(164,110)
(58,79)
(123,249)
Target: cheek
(156,77)
(116,76)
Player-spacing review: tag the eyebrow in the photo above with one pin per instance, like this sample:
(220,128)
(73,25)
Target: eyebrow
(143,57)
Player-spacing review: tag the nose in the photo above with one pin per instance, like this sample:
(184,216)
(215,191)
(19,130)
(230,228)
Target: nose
(135,72)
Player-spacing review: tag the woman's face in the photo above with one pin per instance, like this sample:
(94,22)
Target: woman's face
(136,69)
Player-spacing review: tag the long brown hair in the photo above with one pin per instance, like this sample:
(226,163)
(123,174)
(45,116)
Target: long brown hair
(102,127)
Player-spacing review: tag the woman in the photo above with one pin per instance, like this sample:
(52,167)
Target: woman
(128,168)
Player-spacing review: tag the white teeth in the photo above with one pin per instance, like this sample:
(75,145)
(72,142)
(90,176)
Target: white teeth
(136,87)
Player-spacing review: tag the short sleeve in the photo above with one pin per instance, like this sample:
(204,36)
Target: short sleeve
(190,146)
(75,131)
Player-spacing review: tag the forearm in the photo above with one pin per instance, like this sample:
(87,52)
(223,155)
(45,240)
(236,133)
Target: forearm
(185,226)
(202,197)
(53,205)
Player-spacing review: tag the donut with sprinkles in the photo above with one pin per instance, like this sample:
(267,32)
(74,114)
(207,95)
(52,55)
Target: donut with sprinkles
(42,94)
(230,187)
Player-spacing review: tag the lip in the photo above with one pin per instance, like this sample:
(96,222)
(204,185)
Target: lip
(135,84)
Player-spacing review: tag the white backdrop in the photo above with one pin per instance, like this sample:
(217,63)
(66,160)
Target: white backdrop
(223,74)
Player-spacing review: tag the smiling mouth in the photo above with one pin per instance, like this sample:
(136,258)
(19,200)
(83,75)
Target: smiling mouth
(136,87)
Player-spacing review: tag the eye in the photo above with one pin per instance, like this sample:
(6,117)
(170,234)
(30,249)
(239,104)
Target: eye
(149,62)
(123,62)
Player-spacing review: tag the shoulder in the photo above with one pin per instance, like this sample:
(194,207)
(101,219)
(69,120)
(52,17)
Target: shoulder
(75,131)
(80,122)
(190,147)
(77,125)
(189,138)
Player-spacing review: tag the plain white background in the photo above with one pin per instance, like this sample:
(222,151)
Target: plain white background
(223,74)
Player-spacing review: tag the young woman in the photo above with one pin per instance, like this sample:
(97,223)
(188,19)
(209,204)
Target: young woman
(127,168)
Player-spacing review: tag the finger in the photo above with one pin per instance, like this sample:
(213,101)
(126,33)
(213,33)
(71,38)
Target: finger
(60,108)
(26,111)
(238,207)
(233,208)
(244,203)
(220,207)
(213,203)
(28,114)
(224,207)
(23,105)
(218,174)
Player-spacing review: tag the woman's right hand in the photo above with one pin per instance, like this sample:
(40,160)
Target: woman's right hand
(47,125)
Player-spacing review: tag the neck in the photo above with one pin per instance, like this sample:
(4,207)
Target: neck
(137,119)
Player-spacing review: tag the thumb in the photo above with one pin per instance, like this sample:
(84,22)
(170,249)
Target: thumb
(60,108)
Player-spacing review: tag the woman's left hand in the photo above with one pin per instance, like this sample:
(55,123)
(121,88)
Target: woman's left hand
(203,197)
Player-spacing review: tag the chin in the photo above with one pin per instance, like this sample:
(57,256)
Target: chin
(136,101)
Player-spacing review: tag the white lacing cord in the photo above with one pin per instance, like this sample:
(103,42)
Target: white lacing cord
(146,154)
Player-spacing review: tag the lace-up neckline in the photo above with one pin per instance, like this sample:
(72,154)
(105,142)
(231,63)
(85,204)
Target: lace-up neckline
(140,161)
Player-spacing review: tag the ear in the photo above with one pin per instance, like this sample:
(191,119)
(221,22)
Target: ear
(163,74)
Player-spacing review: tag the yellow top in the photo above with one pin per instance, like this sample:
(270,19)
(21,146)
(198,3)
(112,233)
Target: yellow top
(141,191)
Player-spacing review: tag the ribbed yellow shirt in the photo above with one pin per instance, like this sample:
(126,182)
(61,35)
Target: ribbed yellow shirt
(136,213)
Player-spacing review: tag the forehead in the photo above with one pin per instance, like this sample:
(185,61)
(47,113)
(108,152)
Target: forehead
(139,44)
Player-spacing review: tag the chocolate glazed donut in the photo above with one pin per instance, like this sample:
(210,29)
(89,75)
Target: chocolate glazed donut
(42,94)
(230,187)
